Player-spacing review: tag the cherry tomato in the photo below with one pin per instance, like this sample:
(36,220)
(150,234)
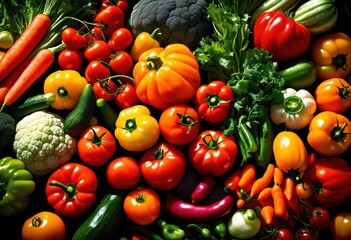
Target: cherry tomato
(70,59)
(97,50)
(340,226)
(303,190)
(123,173)
(96,70)
(163,166)
(97,33)
(96,146)
(44,225)
(105,89)
(320,218)
(120,39)
(122,4)
(179,124)
(305,234)
(126,96)
(283,234)
(142,206)
(112,17)
(73,39)
(121,63)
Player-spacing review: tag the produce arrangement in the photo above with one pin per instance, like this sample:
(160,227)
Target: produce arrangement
(217,119)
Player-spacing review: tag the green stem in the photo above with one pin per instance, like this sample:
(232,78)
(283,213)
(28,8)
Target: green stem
(170,231)
(203,231)
(69,189)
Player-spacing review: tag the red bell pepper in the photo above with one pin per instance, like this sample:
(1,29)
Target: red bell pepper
(71,189)
(281,36)
(330,178)
(213,101)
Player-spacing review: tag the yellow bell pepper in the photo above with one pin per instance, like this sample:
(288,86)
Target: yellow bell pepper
(67,86)
(136,130)
(331,55)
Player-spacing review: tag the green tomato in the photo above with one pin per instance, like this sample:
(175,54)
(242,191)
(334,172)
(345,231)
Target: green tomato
(6,39)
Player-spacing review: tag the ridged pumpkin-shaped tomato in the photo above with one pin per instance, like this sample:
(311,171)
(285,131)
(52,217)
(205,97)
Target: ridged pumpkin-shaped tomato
(165,76)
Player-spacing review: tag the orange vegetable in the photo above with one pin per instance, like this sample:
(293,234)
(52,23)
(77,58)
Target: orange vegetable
(280,208)
(263,182)
(278,177)
(231,183)
(264,194)
(247,176)
(24,45)
(267,214)
(289,188)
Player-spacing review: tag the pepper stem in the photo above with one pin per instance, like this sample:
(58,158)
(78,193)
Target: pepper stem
(70,189)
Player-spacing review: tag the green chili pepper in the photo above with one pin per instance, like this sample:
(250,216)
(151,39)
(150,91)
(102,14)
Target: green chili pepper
(170,231)
(220,227)
(16,186)
(202,230)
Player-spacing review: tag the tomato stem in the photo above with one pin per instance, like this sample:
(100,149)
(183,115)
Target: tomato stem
(97,140)
(187,120)
(338,133)
(36,221)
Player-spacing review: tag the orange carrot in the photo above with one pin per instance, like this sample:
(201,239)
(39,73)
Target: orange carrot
(248,174)
(280,208)
(267,214)
(37,67)
(264,194)
(25,44)
(278,177)
(232,181)
(240,202)
(289,188)
(262,182)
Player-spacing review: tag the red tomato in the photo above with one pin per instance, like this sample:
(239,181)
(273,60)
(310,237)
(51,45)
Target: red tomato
(283,234)
(320,218)
(123,4)
(213,101)
(121,63)
(142,206)
(303,190)
(70,59)
(97,50)
(305,234)
(97,33)
(123,173)
(72,39)
(163,166)
(126,96)
(179,124)
(96,70)
(96,146)
(112,17)
(120,39)
(212,153)
(105,89)
(44,225)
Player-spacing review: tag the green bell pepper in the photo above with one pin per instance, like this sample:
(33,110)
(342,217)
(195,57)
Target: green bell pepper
(16,186)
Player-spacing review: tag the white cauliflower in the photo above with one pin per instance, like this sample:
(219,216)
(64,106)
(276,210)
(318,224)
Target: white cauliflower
(41,143)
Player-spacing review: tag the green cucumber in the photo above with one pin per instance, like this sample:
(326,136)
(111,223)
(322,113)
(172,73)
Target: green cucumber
(317,15)
(32,104)
(106,115)
(105,220)
(269,5)
(77,121)
(299,74)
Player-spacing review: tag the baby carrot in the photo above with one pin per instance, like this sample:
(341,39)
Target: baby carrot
(264,194)
(247,176)
(267,214)
(278,177)
(25,44)
(280,208)
(289,188)
(262,182)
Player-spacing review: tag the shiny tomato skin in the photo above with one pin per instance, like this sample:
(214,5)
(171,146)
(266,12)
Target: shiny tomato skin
(122,4)
(72,39)
(96,146)
(126,96)
(96,50)
(105,90)
(121,63)
(303,190)
(320,218)
(283,234)
(123,173)
(340,226)
(179,124)
(112,17)
(142,206)
(44,225)
(304,234)
(163,166)
(70,59)
(120,40)
(96,70)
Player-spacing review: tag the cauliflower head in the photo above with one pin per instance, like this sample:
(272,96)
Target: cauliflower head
(41,143)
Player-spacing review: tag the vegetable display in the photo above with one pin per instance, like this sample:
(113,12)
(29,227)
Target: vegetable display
(233,124)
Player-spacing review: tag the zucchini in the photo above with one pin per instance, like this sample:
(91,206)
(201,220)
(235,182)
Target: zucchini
(105,220)
(317,15)
(269,5)
(106,115)
(300,74)
(77,121)
(32,104)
